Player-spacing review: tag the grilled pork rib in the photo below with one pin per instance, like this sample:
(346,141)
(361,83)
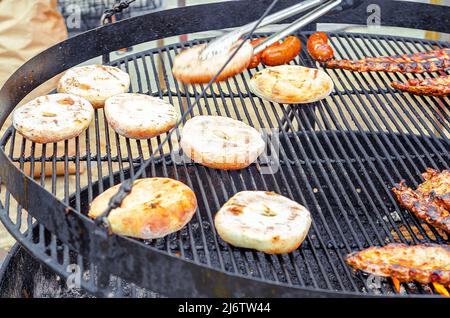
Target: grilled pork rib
(431,200)
(430,61)
(438,86)
(424,263)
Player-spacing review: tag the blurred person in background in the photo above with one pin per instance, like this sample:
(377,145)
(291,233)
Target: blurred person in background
(27,27)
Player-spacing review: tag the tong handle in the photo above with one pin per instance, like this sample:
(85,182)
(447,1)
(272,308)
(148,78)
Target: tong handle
(223,42)
(297,24)
(281,15)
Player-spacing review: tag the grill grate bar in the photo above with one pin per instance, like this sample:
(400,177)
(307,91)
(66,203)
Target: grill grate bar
(375,170)
(399,144)
(417,116)
(190,183)
(89,166)
(191,236)
(327,204)
(377,125)
(379,144)
(360,184)
(417,170)
(298,191)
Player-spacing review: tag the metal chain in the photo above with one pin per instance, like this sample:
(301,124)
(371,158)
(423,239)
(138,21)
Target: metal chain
(117,8)
(126,185)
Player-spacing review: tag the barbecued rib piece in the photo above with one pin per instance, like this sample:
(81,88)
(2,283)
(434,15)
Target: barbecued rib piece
(431,61)
(424,263)
(431,200)
(436,181)
(415,57)
(438,86)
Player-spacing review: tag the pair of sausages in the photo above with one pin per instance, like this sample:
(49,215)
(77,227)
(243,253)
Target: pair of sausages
(318,47)
(276,54)
(286,51)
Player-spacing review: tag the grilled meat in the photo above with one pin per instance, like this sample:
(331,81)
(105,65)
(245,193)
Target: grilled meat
(319,48)
(438,86)
(436,181)
(424,263)
(431,200)
(431,61)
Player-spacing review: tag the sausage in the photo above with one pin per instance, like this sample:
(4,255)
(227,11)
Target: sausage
(319,48)
(319,36)
(256,59)
(281,53)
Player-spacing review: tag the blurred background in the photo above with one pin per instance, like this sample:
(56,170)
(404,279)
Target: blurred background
(28,27)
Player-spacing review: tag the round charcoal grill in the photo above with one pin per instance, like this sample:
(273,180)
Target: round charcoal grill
(339,157)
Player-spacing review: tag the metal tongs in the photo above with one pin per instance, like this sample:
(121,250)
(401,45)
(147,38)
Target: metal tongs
(225,42)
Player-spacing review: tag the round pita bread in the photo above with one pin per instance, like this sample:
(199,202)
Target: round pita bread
(221,142)
(189,69)
(264,221)
(139,116)
(53,118)
(154,208)
(96,83)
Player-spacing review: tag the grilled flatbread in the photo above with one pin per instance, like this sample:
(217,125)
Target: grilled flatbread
(189,69)
(139,116)
(53,118)
(291,84)
(221,142)
(154,208)
(96,83)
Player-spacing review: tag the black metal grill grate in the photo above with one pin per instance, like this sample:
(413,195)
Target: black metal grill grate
(339,157)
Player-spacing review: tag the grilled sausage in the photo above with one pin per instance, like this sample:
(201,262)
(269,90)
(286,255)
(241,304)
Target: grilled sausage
(256,59)
(318,47)
(282,53)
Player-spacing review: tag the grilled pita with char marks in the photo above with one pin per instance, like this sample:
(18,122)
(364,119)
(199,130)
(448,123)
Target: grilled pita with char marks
(431,61)
(190,69)
(424,263)
(94,82)
(53,118)
(154,208)
(221,142)
(438,86)
(431,200)
(291,84)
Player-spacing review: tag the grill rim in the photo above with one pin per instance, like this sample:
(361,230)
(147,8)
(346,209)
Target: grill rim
(279,289)
(36,187)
